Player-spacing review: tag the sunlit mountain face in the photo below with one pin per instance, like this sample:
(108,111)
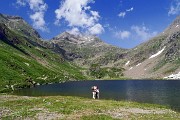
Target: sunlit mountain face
(43,42)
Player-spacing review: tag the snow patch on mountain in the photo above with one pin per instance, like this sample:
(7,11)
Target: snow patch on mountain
(158,53)
(127,63)
(138,64)
(173,76)
(131,68)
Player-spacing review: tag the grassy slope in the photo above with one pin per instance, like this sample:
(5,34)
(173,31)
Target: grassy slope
(24,61)
(41,66)
(142,52)
(168,62)
(58,107)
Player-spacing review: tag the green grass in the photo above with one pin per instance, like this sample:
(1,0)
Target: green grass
(19,107)
(25,62)
(14,69)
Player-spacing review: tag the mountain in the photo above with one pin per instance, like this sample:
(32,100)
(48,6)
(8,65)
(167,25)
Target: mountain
(92,54)
(157,57)
(86,50)
(26,60)
(17,24)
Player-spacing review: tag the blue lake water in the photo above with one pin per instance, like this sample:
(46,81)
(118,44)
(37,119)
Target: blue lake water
(163,92)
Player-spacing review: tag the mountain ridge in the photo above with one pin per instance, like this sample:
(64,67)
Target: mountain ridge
(169,40)
(71,57)
(27,61)
(19,24)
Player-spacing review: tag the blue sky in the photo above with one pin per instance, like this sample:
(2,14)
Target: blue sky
(124,23)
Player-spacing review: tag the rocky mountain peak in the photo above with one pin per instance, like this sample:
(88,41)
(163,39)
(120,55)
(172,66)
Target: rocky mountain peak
(19,24)
(13,17)
(177,20)
(8,19)
(64,35)
(75,39)
(174,27)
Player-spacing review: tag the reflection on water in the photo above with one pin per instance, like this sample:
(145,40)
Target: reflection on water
(158,92)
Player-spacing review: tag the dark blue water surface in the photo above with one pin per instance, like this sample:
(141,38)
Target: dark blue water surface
(146,91)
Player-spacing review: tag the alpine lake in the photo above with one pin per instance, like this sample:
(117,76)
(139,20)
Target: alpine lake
(163,92)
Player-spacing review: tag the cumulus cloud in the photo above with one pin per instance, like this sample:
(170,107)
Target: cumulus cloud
(38,21)
(174,8)
(39,8)
(78,14)
(122,34)
(96,29)
(143,33)
(122,14)
(74,31)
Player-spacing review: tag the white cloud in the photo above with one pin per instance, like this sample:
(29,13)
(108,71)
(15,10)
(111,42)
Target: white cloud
(38,21)
(39,8)
(96,29)
(21,2)
(78,14)
(74,31)
(37,5)
(122,14)
(143,33)
(175,8)
(122,34)
(95,15)
(129,10)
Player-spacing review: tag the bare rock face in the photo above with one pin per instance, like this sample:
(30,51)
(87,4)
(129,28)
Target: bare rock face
(17,23)
(76,39)
(173,41)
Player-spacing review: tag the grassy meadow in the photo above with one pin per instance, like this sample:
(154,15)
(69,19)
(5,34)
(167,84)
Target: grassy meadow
(76,108)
